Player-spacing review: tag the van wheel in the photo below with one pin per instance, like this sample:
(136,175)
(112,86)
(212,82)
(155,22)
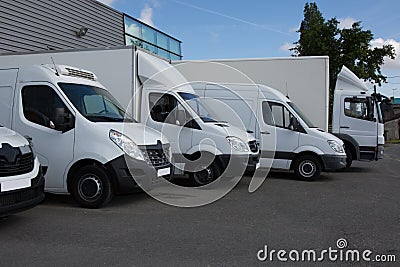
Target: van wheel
(206,176)
(349,157)
(307,167)
(91,187)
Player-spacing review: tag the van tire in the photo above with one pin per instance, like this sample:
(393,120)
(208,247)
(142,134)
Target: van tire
(91,187)
(206,176)
(349,157)
(307,167)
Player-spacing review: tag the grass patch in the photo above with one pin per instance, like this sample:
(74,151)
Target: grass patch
(392,141)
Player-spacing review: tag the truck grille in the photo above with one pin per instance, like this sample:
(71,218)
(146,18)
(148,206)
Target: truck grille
(21,195)
(156,157)
(253,146)
(23,164)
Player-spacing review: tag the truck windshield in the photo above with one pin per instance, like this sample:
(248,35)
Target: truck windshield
(199,106)
(94,103)
(301,115)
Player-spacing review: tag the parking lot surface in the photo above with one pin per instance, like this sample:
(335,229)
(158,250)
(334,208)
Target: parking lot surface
(361,206)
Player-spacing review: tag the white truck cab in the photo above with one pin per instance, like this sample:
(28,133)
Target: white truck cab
(21,179)
(83,138)
(285,133)
(357,118)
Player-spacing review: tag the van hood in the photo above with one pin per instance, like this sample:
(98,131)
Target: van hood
(12,138)
(137,132)
(319,133)
(231,130)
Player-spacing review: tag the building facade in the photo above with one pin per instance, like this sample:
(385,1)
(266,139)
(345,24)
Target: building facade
(37,25)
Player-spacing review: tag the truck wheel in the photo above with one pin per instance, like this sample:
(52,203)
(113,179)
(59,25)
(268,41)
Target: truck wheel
(91,187)
(307,167)
(206,175)
(349,157)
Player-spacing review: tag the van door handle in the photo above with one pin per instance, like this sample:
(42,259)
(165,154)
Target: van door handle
(344,127)
(265,132)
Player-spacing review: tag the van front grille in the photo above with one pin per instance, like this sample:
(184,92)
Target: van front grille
(23,164)
(156,158)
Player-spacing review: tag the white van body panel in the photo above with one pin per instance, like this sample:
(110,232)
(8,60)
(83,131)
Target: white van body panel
(288,142)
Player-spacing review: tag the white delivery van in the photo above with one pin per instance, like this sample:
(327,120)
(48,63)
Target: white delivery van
(21,179)
(156,94)
(299,145)
(82,137)
(305,80)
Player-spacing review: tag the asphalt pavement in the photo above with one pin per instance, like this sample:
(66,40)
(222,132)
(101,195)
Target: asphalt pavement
(361,206)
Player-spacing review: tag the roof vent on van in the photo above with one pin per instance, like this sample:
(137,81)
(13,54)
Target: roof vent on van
(74,72)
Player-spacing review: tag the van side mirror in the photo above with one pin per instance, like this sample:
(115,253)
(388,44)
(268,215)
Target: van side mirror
(192,124)
(64,121)
(180,117)
(294,124)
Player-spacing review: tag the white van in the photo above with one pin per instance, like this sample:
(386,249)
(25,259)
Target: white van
(154,92)
(83,138)
(300,146)
(21,179)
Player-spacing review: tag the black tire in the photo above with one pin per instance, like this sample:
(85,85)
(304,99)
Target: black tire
(307,167)
(349,157)
(91,187)
(205,176)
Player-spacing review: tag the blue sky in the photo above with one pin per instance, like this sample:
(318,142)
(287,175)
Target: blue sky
(256,28)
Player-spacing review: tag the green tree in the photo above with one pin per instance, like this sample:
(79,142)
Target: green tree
(350,47)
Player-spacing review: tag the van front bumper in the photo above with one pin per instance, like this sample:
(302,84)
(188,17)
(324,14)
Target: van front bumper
(22,199)
(127,172)
(333,162)
(238,164)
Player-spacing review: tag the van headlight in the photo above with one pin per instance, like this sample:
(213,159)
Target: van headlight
(237,144)
(126,145)
(336,146)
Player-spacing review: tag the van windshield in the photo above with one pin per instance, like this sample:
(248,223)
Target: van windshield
(302,115)
(94,103)
(199,106)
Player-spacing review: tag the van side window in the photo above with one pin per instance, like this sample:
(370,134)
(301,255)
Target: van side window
(359,108)
(276,114)
(166,108)
(41,105)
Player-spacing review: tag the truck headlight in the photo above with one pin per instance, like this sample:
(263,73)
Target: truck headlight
(336,146)
(237,144)
(126,144)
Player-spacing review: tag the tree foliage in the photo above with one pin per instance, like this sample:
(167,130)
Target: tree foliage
(350,47)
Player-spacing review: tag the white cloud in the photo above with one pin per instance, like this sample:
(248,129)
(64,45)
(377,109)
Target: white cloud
(389,63)
(146,15)
(107,2)
(346,23)
(286,46)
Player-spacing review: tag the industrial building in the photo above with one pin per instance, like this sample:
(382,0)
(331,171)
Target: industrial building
(37,25)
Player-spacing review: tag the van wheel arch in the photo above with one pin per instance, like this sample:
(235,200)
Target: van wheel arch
(87,162)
